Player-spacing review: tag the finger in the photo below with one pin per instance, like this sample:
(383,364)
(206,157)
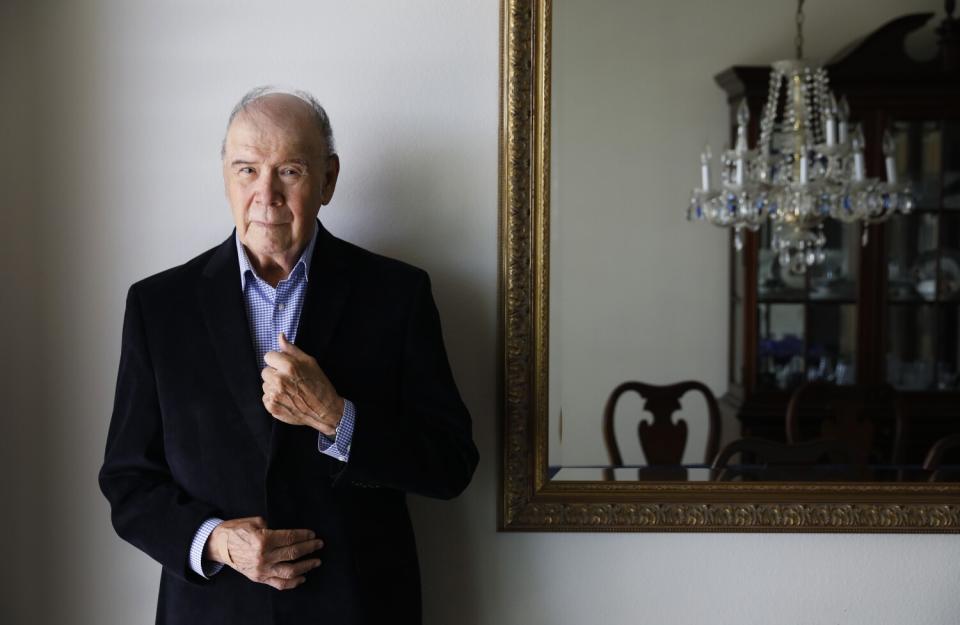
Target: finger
(284,584)
(281,414)
(293,552)
(273,387)
(293,570)
(280,410)
(283,538)
(269,373)
(287,347)
(283,363)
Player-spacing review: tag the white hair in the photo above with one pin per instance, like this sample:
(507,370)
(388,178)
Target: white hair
(319,114)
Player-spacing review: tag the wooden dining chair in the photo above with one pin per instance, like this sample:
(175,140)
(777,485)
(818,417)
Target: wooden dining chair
(663,440)
(863,417)
(936,462)
(783,462)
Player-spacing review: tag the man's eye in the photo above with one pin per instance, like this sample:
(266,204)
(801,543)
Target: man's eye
(290,172)
(245,170)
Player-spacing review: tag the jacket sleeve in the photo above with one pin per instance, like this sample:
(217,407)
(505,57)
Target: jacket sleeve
(424,445)
(149,510)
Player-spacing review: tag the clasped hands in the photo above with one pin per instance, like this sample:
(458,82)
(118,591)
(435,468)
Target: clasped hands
(295,391)
(263,555)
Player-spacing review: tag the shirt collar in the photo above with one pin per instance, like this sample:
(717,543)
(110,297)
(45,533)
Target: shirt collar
(305,258)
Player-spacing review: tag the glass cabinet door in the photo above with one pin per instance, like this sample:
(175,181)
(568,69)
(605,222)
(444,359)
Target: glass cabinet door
(808,322)
(923,260)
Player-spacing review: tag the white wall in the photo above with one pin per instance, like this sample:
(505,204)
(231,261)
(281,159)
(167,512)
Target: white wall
(21,416)
(111,122)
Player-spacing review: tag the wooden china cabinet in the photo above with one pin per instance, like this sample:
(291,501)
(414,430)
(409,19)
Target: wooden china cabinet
(886,312)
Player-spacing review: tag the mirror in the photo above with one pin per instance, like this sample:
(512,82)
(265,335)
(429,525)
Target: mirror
(569,339)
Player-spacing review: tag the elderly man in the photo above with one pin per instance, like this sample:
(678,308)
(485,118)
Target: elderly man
(277,397)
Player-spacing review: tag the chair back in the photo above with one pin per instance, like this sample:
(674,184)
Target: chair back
(775,461)
(936,462)
(862,417)
(664,440)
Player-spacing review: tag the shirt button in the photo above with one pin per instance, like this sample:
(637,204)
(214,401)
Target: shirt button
(280,306)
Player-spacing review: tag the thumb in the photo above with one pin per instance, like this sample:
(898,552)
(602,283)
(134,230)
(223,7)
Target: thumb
(289,348)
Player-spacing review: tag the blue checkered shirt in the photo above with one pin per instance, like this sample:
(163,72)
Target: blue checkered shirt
(271,311)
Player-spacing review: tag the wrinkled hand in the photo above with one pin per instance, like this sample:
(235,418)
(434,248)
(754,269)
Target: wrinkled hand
(263,555)
(296,391)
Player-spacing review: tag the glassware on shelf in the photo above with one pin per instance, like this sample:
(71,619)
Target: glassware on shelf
(950,194)
(777,282)
(908,240)
(947,379)
(931,268)
(781,358)
(845,373)
(899,285)
(831,343)
(836,277)
(911,346)
(917,151)
(831,280)
(780,349)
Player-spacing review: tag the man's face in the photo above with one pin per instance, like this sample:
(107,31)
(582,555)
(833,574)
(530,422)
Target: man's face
(277,176)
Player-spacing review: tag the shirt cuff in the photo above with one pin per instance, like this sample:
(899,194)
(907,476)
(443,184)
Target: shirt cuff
(200,565)
(339,446)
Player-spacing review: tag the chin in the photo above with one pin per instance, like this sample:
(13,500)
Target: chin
(266,243)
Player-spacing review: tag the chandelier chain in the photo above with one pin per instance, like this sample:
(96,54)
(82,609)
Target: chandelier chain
(799,39)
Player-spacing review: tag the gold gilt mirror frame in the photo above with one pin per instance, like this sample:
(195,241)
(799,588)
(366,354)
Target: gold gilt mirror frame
(530,501)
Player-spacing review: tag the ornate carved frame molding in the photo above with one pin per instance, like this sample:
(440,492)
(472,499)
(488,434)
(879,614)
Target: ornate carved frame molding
(529,500)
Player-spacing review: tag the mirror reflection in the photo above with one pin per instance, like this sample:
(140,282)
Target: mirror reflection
(674,358)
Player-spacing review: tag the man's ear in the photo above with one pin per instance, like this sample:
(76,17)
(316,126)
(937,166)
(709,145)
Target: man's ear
(330,178)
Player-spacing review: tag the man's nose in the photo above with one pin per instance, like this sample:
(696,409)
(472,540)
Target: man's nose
(268,190)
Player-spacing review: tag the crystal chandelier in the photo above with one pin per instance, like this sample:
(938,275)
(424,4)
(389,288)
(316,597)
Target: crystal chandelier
(807,166)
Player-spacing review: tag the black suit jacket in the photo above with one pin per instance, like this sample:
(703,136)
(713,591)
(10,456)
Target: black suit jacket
(190,439)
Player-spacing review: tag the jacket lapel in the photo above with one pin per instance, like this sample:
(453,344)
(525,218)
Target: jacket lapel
(327,289)
(223,311)
(327,292)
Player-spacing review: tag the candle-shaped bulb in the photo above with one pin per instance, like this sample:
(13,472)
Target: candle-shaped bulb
(743,116)
(843,114)
(743,113)
(843,109)
(857,138)
(830,120)
(888,161)
(705,168)
(830,106)
(888,143)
